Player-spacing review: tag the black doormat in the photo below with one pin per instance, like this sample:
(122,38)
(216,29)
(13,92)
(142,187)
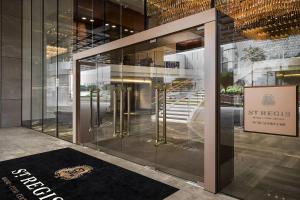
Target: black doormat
(68,174)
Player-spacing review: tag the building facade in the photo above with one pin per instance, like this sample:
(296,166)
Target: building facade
(163,84)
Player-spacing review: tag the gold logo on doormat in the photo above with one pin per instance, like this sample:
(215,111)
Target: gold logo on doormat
(73,172)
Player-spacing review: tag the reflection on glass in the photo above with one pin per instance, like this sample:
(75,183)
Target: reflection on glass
(253,165)
(161,12)
(47,67)
(50,67)
(138,85)
(98,21)
(37,65)
(64,70)
(26,64)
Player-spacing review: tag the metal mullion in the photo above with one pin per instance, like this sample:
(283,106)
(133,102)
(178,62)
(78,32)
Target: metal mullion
(22,7)
(31,64)
(145,15)
(211,113)
(43,62)
(77,29)
(57,85)
(1,27)
(212,3)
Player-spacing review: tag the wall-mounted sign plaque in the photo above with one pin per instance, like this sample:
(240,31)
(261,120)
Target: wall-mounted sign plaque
(271,110)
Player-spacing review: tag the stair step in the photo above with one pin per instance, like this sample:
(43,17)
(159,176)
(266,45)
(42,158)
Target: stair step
(174,120)
(174,116)
(170,106)
(184,100)
(179,112)
(181,107)
(181,101)
(184,103)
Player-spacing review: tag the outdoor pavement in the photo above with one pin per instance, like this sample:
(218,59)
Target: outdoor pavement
(20,142)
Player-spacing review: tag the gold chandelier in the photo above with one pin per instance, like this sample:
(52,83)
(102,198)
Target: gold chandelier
(263,19)
(169,10)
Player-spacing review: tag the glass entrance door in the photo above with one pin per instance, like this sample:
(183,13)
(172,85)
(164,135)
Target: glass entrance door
(89,104)
(181,150)
(112,129)
(146,103)
(140,79)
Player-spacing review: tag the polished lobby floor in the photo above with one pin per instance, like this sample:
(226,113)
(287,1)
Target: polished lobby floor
(19,142)
(182,155)
(176,157)
(266,167)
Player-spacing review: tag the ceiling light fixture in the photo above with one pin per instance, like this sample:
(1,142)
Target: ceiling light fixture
(91,20)
(126,30)
(113,26)
(263,19)
(83,18)
(170,10)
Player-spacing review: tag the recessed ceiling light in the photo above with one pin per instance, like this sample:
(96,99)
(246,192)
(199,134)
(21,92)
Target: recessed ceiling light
(106,24)
(131,31)
(83,18)
(113,26)
(125,29)
(91,20)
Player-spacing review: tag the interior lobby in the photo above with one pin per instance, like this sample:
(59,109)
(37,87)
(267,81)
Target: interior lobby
(149,99)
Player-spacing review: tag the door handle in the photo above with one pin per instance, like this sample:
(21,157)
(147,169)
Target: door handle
(157,115)
(97,91)
(165,115)
(121,111)
(91,110)
(98,108)
(158,140)
(128,109)
(119,132)
(115,113)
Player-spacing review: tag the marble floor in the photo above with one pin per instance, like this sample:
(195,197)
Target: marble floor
(19,142)
(265,167)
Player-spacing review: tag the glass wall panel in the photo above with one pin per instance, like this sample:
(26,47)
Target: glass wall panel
(258,50)
(98,21)
(145,103)
(181,56)
(47,71)
(26,64)
(89,20)
(133,17)
(64,72)
(113,14)
(48,29)
(37,64)
(50,67)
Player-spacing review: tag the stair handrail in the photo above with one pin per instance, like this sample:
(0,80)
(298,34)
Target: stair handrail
(172,88)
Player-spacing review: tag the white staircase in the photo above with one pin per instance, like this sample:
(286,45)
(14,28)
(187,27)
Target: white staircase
(181,106)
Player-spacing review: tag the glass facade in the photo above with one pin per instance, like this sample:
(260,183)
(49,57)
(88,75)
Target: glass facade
(258,46)
(47,67)
(101,21)
(257,51)
(54,30)
(26,64)
(145,102)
